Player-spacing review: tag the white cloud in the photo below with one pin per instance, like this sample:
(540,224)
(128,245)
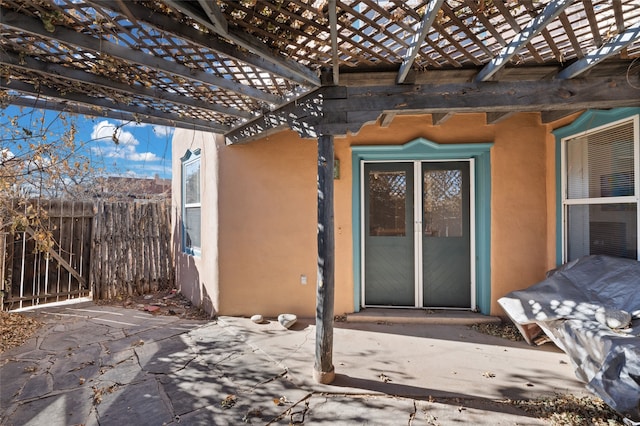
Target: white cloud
(161,131)
(143,156)
(6,155)
(107,130)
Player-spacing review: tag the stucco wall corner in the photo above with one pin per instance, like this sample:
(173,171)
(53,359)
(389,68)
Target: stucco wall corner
(197,276)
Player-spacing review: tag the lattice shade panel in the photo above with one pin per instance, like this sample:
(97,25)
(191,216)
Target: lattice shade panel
(226,62)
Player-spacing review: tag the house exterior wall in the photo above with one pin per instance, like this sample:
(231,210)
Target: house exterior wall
(268,226)
(267,211)
(197,276)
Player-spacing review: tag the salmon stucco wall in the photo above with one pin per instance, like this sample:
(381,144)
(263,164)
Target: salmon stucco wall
(519,205)
(519,212)
(268,216)
(268,223)
(197,276)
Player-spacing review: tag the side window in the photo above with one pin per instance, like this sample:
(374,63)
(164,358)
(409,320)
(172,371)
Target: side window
(599,191)
(191,202)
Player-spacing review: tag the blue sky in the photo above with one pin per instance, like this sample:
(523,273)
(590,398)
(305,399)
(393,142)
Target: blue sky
(142,150)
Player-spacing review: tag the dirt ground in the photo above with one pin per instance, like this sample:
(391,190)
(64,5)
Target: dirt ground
(165,302)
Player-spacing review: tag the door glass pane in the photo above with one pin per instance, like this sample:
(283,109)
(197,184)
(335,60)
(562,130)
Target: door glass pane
(609,229)
(387,201)
(442,203)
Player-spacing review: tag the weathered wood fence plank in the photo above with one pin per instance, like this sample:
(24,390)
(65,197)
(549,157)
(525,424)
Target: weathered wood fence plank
(132,249)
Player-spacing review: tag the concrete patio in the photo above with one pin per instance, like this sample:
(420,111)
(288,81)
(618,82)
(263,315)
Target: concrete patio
(108,365)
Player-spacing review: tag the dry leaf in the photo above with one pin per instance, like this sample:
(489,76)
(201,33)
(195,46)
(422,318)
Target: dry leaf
(229,401)
(15,329)
(384,378)
(280,401)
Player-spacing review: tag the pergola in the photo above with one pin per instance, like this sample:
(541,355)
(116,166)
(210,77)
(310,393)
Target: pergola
(324,68)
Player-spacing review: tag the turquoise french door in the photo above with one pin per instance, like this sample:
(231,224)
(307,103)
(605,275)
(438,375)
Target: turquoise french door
(417,234)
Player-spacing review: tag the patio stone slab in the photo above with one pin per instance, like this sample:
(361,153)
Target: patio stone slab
(141,403)
(233,371)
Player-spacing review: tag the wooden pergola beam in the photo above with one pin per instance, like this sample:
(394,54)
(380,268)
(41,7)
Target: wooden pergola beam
(420,33)
(31,90)
(212,9)
(91,80)
(550,12)
(247,42)
(167,24)
(497,117)
(503,96)
(333,31)
(353,107)
(337,110)
(440,118)
(92,111)
(551,116)
(323,370)
(610,48)
(67,36)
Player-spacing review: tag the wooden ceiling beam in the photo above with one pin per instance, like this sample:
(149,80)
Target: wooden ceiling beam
(419,34)
(34,26)
(340,110)
(165,23)
(245,41)
(538,95)
(333,30)
(497,117)
(386,119)
(441,118)
(535,26)
(212,10)
(89,80)
(31,90)
(593,22)
(551,116)
(610,48)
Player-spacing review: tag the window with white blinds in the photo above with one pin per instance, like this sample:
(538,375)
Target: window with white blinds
(600,191)
(191,202)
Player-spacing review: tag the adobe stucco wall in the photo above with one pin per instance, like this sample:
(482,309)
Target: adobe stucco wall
(197,276)
(519,182)
(267,211)
(268,227)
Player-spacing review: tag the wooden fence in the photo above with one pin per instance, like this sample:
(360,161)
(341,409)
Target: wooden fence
(131,248)
(107,250)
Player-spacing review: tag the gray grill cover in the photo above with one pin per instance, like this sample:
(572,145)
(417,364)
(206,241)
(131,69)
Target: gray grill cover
(564,307)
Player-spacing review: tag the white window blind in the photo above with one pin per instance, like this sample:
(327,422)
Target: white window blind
(600,164)
(600,204)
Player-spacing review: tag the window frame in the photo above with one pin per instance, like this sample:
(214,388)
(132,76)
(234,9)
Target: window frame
(566,202)
(190,158)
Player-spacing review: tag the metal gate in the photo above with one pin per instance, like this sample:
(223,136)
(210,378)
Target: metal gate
(57,273)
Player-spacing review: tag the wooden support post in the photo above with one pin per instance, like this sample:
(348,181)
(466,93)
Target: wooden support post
(323,371)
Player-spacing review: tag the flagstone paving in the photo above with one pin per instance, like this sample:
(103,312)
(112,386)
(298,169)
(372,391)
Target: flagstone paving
(106,365)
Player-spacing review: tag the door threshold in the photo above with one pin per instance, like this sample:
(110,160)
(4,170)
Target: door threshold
(420,316)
